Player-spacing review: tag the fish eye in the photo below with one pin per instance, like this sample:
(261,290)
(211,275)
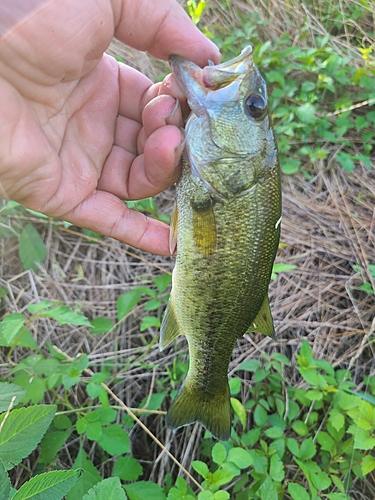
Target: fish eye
(256,105)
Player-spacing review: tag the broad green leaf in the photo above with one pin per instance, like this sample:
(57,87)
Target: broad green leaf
(4,483)
(240,457)
(127,301)
(260,415)
(52,485)
(337,496)
(51,444)
(144,490)
(221,495)
(239,410)
(206,495)
(154,402)
(368,464)
(326,442)
(276,468)
(149,322)
(64,315)
(162,282)
(250,366)
(22,431)
(362,439)
(35,308)
(321,480)
(115,440)
(101,325)
(218,453)
(11,325)
(7,392)
(127,468)
(336,419)
(31,247)
(108,489)
(307,449)
(274,432)
(297,492)
(268,490)
(346,161)
(300,428)
(200,467)
(306,113)
(87,480)
(223,476)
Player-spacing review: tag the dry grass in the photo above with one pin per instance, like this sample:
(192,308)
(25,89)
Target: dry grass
(328,225)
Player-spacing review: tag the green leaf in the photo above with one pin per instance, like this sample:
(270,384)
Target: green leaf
(31,247)
(127,301)
(239,410)
(345,160)
(276,468)
(51,444)
(268,490)
(108,489)
(89,477)
(221,495)
(127,468)
(218,453)
(250,366)
(4,483)
(260,415)
(51,485)
(200,467)
(7,393)
(368,464)
(101,325)
(274,432)
(297,492)
(149,322)
(307,449)
(239,457)
(144,490)
(300,428)
(336,419)
(292,445)
(362,439)
(290,166)
(11,325)
(162,282)
(306,113)
(64,315)
(115,440)
(22,431)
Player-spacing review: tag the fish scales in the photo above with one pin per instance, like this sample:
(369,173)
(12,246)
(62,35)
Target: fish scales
(227,223)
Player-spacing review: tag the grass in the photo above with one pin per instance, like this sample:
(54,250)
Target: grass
(327,234)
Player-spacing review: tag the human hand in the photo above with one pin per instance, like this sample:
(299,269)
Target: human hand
(80,132)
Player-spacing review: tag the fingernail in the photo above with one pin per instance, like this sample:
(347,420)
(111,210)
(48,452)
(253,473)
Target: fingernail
(170,119)
(178,151)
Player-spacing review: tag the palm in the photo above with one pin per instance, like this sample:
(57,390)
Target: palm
(81,131)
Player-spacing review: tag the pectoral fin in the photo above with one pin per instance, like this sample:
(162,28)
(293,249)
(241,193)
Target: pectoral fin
(204,228)
(170,329)
(173,230)
(263,323)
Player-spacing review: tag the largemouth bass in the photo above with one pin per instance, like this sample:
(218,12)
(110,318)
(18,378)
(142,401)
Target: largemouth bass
(227,225)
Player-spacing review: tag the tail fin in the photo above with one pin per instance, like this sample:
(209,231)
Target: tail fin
(194,405)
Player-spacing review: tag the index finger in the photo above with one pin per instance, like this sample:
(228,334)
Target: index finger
(162,28)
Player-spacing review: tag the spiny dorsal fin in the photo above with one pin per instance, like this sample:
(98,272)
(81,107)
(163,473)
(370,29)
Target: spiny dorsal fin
(170,329)
(263,323)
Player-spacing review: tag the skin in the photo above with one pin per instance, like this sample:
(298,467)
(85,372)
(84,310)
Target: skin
(80,132)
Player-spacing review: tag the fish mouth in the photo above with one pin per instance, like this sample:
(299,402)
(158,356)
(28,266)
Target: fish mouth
(196,83)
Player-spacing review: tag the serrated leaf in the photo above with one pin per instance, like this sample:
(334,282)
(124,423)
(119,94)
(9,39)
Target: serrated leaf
(51,444)
(268,490)
(306,113)
(31,247)
(22,431)
(52,485)
(297,492)
(162,282)
(127,468)
(88,479)
(336,419)
(7,392)
(276,468)
(4,483)
(11,325)
(115,440)
(127,301)
(144,490)
(292,445)
(64,315)
(108,489)
(200,467)
(307,449)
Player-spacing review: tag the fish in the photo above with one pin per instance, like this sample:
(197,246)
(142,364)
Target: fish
(226,227)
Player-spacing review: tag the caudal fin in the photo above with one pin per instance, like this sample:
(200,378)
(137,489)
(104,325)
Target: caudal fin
(194,405)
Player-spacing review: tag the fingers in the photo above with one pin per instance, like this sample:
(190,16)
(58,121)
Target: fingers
(104,213)
(163,29)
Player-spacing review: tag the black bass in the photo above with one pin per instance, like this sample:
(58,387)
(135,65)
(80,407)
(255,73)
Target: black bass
(227,226)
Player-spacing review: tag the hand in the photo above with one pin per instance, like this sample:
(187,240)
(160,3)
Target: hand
(80,132)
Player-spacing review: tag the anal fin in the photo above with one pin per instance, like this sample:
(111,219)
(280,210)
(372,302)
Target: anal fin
(170,329)
(263,323)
